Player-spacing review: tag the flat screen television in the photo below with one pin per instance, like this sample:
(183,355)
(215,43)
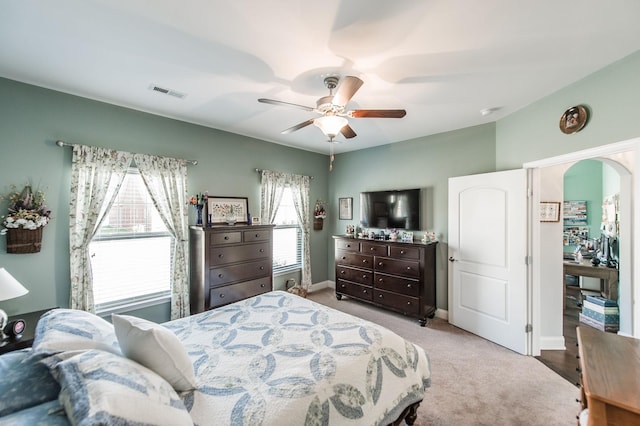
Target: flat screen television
(398,209)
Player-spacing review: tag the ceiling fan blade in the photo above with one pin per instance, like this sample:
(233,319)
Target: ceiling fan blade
(297,127)
(377,113)
(281,103)
(348,132)
(348,87)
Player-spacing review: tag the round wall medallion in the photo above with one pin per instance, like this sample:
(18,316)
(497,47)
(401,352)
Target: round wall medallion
(573,119)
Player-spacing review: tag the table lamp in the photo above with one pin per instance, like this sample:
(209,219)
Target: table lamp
(10,288)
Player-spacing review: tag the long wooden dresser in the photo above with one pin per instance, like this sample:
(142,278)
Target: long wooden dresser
(228,264)
(399,276)
(610,376)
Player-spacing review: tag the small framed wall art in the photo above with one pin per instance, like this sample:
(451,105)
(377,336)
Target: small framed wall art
(229,210)
(549,211)
(346,208)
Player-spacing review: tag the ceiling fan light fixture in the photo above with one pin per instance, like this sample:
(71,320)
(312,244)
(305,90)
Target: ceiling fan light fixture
(331,124)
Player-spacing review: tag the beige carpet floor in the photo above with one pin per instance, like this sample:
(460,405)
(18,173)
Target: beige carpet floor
(474,381)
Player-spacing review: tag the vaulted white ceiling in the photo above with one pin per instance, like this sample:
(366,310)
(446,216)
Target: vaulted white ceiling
(441,60)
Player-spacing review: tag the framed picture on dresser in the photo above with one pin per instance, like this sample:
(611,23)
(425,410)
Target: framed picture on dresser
(223,210)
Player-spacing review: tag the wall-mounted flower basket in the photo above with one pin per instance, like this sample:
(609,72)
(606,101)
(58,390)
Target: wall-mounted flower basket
(22,241)
(317,223)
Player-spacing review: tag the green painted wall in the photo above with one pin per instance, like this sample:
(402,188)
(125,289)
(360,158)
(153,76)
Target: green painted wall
(611,95)
(32,119)
(584,181)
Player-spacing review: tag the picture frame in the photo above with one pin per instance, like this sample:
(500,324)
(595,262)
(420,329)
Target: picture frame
(549,211)
(406,236)
(227,210)
(345,206)
(573,120)
(255,220)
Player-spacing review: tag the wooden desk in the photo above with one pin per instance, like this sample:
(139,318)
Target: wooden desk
(610,382)
(608,276)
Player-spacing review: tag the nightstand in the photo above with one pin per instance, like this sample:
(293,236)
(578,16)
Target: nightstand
(31,320)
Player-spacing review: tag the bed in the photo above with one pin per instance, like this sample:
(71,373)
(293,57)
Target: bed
(269,360)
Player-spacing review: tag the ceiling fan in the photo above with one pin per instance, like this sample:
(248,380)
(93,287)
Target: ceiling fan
(333,110)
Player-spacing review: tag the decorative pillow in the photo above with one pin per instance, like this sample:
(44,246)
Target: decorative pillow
(24,382)
(48,413)
(102,388)
(157,348)
(61,330)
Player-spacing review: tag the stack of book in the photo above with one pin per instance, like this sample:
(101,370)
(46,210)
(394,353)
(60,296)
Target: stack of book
(600,313)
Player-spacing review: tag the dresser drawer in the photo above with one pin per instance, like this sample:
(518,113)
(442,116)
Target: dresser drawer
(347,245)
(406,304)
(406,286)
(239,272)
(355,290)
(411,253)
(374,249)
(259,235)
(225,238)
(219,296)
(222,255)
(355,275)
(407,268)
(354,259)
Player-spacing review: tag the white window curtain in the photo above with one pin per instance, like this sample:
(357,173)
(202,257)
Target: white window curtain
(96,177)
(166,181)
(273,184)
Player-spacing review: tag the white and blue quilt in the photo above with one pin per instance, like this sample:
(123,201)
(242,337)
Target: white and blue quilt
(280,359)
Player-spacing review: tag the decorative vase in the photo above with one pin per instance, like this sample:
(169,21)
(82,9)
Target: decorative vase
(199,217)
(20,241)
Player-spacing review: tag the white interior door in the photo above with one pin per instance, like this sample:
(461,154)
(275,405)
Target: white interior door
(488,257)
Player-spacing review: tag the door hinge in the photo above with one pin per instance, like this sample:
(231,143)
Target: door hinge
(528,328)
(529,192)
(527,260)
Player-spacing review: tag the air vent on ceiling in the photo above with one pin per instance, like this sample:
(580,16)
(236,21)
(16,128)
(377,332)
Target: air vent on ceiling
(166,91)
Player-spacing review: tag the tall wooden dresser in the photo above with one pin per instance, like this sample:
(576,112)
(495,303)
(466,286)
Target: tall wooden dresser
(228,264)
(398,276)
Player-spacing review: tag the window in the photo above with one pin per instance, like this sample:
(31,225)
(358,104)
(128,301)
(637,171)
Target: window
(131,252)
(287,236)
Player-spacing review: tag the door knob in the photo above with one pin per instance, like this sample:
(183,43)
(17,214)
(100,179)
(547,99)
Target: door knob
(452,259)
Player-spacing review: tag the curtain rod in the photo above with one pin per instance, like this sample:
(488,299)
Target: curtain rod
(260,171)
(63,144)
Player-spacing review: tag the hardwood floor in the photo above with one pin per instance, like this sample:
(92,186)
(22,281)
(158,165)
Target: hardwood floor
(565,362)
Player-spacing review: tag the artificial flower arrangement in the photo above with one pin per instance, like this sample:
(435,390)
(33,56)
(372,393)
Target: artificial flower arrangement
(27,209)
(319,211)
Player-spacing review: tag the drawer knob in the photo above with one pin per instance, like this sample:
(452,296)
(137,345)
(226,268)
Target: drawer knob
(364,291)
(343,272)
(380,280)
(408,285)
(344,257)
(408,268)
(261,250)
(262,268)
(408,303)
(364,260)
(380,296)
(401,251)
(364,277)
(380,263)
(343,285)
(373,249)
(348,245)
(226,237)
(221,296)
(257,235)
(262,285)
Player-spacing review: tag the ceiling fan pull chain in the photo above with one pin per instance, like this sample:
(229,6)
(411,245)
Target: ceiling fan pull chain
(331,155)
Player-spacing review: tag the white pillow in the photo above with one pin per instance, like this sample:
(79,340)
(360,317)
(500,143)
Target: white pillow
(155,347)
(99,387)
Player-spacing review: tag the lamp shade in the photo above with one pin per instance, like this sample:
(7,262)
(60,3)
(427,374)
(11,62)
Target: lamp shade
(331,124)
(10,288)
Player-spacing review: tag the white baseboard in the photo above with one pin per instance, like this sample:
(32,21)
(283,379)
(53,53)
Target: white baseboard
(443,314)
(321,285)
(551,343)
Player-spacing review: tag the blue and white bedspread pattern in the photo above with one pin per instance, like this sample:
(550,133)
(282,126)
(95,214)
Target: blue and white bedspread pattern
(280,359)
